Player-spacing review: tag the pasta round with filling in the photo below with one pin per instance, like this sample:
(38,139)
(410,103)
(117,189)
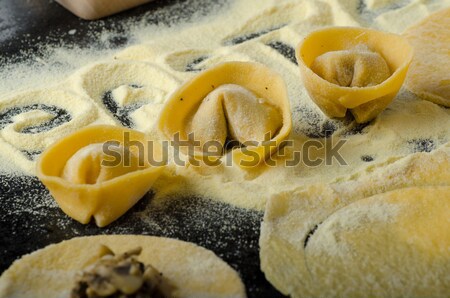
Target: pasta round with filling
(191,270)
(100,171)
(234,101)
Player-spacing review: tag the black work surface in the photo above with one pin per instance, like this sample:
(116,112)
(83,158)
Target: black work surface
(26,225)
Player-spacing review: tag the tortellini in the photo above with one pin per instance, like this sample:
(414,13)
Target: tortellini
(100,171)
(234,101)
(232,110)
(356,67)
(86,165)
(353,68)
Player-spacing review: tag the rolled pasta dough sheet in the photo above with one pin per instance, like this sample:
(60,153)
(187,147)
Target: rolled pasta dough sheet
(50,272)
(429,75)
(292,219)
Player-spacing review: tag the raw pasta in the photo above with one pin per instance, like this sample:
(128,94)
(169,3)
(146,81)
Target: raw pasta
(231,110)
(86,166)
(88,181)
(344,80)
(429,76)
(242,101)
(193,270)
(356,67)
(418,186)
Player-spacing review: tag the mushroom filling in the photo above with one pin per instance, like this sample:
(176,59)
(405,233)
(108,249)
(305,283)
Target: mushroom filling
(121,276)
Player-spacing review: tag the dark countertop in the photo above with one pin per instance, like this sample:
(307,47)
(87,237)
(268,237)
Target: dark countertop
(25,27)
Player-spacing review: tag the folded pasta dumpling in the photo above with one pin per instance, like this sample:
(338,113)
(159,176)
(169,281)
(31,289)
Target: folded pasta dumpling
(353,68)
(87,165)
(240,101)
(356,67)
(235,112)
(100,171)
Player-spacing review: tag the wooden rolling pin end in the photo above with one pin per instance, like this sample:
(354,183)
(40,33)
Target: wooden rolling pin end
(96,9)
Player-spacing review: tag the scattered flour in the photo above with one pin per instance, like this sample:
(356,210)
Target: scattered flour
(73,87)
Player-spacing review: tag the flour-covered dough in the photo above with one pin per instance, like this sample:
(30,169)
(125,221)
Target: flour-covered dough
(356,67)
(394,244)
(235,112)
(429,76)
(50,272)
(293,218)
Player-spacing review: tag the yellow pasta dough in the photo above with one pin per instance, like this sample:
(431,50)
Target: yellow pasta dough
(395,244)
(319,242)
(240,101)
(353,68)
(235,111)
(356,67)
(429,76)
(100,171)
(193,271)
(85,166)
